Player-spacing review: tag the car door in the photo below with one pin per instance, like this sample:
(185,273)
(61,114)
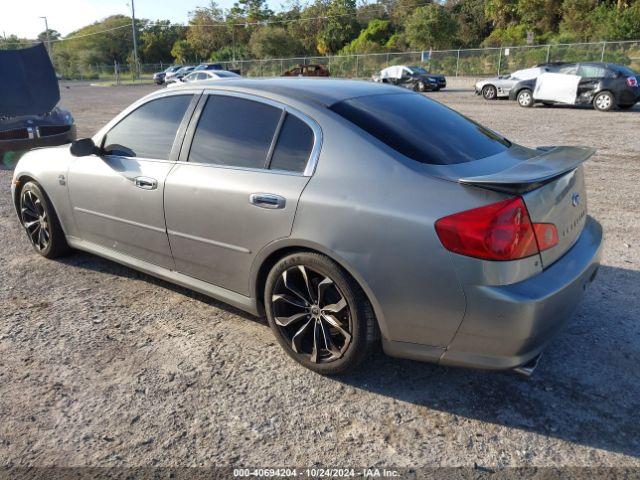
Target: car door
(590,78)
(242,169)
(117,196)
(560,86)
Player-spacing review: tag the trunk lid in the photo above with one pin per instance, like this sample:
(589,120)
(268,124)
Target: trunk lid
(563,202)
(550,180)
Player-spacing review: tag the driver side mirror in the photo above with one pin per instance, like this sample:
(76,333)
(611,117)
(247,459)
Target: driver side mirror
(83,147)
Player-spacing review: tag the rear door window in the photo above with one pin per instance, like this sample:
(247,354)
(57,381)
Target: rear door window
(234,132)
(150,130)
(593,71)
(294,145)
(421,129)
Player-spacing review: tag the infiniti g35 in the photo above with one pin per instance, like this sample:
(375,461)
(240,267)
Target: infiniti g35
(348,212)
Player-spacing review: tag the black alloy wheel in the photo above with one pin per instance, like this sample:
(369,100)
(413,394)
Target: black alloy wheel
(318,314)
(40,222)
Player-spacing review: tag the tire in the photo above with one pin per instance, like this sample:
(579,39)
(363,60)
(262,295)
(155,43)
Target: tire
(626,107)
(307,297)
(604,101)
(525,98)
(489,92)
(40,222)
(420,87)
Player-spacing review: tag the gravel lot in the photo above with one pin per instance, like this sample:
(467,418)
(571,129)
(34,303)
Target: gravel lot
(103,366)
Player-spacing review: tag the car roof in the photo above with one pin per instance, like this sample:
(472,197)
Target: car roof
(323,91)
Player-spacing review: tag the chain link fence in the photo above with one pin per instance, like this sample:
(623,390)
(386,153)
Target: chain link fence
(475,62)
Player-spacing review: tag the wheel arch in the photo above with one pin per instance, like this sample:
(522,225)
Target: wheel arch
(271,254)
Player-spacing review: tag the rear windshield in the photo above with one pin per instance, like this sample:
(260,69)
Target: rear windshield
(421,129)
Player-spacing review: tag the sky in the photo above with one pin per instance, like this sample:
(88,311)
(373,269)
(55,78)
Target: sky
(21,17)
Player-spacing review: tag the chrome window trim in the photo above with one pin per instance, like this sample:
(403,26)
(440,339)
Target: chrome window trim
(312,161)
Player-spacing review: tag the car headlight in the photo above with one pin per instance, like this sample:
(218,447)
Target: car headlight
(433,80)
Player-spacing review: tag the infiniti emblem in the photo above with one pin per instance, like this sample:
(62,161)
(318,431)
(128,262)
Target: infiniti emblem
(575,199)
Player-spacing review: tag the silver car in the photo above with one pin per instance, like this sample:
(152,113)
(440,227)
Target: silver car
(346,211)
(499,87)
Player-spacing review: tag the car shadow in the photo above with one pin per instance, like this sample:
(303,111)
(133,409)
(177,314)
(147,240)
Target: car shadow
(89,261)
(586,389)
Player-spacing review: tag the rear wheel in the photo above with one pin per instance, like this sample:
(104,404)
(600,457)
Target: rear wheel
(318,313)
(525,98)
(489,92)
(41,223)
(604,101)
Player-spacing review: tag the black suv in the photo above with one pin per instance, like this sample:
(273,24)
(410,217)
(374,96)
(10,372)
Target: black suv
(603,85)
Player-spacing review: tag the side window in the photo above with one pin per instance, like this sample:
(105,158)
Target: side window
(294,145)
(591,71)
(235,132)
(569,69)
(150,130)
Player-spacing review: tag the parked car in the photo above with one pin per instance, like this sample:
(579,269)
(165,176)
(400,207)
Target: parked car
(346,211)
(158,77)
(499,87)
(603,85)
(197,76)
(178,74)
(29,112)
(413,77)
(209,66)
(313,70)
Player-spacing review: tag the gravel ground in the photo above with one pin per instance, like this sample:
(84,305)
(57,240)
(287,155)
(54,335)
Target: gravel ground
(103,366)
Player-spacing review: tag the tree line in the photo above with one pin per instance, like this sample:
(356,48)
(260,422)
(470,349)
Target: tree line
(250,29)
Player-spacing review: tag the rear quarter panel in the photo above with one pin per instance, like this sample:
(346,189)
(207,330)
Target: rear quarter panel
(374,211)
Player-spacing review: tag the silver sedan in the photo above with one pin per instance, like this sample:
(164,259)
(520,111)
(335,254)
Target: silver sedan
(348,212)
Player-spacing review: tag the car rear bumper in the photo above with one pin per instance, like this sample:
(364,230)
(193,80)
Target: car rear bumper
(44,141)
(507,326)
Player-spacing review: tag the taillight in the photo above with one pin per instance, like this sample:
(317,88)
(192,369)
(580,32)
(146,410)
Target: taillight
(500,231)
(546,235)
(632,81)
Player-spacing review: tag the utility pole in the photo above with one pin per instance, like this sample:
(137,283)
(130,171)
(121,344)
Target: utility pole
(135,40)
(46,30)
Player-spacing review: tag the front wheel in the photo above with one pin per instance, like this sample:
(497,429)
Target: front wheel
(604,101)
(489,92)
(318,313)
(40,222)
(420,87)
(525,98)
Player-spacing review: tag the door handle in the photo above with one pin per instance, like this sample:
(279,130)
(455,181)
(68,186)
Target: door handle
(146,183)
(267,200)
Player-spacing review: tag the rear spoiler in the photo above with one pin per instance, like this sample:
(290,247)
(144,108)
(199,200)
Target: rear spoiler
(535,171)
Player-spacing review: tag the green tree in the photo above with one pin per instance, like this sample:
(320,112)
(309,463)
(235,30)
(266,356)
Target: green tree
(182,51)
(208,31)
(431,26)
(273,42)
(157,40)
(501,13)
(342,26)
(541,16)
(619,22)
(473,25)
(310,25)
(577,21)
(53,35)
(372,39)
